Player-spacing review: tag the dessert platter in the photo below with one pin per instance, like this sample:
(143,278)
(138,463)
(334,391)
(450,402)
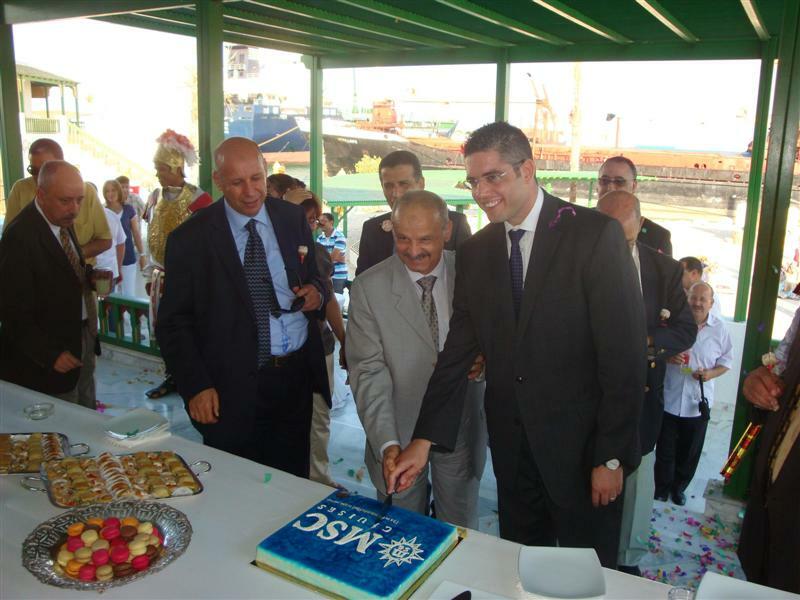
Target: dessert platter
(106,545)
(349,546)
(107,477)
(25,452)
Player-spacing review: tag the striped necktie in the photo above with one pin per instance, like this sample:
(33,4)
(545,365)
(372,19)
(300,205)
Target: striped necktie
(262,291)
(80,273)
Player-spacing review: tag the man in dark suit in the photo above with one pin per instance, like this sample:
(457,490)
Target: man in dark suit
(619,173)
(244,351)
(769,547)
(43,309)
(548,293)
(671,329)
(399,172)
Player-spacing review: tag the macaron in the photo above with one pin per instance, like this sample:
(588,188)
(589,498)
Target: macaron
(137,547)
(118,542)
(154,540)
(151,552)
(89,537)
(142,537)
(100,557)
(72,568)
(111,521)
(109,532)
(64,556)
(104,573)
(86,572)
(140,563)
(122,569)
(95,521)
(101,545)
(145,527)
(75,529)
(128,532)
(73,543)
(131,521)
(119,554)
(83,555)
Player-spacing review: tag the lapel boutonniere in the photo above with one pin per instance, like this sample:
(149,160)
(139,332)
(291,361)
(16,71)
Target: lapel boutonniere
(301,252)
(769,360)
(664,316)
(386,225)
(568,210)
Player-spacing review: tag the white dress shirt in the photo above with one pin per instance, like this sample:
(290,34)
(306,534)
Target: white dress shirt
(712,348)
(57,232)
(440,298)
(108,258)
(638,264)
(529,226)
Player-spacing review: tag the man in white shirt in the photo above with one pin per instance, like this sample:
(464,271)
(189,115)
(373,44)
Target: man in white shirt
(693,273)
(683,430)
(398,321)
(111,259)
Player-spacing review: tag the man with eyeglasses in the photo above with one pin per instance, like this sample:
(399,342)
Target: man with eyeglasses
(399,172)
(549,294)
(618,173)
(237,325)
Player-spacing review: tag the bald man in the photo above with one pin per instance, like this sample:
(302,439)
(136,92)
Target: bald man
(237,324)
(45,301)
(670,329)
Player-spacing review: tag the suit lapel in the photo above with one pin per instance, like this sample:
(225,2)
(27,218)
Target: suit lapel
(53,245)
(408,303)
(289,248)
(545,242)
(225,248)
(450,269)
(650,285)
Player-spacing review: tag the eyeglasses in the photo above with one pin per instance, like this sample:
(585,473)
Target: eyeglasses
(615,181)
(492,178)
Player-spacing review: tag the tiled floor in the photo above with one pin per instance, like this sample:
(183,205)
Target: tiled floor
(683,542)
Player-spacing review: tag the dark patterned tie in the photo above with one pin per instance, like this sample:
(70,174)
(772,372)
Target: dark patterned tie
(517,269)
(429,307)
(80,273)
(262,292)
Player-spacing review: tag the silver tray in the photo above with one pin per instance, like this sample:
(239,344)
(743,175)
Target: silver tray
(33,483)
(37,547)
(66,447)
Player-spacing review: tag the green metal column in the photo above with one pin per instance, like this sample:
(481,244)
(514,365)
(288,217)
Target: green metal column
(772,222)
(502,77)
(10,137)
(768,56)
(315,135)
(210,98)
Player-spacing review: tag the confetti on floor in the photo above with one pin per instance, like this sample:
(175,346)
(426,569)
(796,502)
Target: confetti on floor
(684,545)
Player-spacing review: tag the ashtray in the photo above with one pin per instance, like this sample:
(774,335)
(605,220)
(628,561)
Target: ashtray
(39,411)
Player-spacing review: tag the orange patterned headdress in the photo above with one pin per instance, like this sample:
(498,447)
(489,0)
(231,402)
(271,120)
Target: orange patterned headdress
(175,150)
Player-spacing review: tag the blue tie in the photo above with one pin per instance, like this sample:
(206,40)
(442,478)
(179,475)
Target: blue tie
(515,263)
(262,292)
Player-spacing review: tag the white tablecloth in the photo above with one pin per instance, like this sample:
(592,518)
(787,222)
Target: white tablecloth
(232,515)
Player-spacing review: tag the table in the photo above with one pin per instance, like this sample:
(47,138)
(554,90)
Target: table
(232,515)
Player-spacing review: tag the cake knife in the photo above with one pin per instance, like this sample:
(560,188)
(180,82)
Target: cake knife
(387,504)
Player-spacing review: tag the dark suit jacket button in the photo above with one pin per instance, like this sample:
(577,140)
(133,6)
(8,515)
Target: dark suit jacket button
(520,379)
(646,388)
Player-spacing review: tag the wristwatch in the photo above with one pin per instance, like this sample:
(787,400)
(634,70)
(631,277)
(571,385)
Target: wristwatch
(612,465)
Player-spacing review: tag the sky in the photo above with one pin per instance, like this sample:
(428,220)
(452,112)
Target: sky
(135,83)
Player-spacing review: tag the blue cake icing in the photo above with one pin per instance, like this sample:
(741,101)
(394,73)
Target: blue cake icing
(338,546)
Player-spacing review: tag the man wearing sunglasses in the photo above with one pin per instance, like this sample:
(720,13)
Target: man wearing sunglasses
(618,173)
(237,324)
(548,293)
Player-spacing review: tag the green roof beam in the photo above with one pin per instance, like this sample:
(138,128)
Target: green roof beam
(163,26)
(10,135)
(400,14)
(15,12)
(495,18)
(751,10)
(338,20)
(668,20)
(307,30)
(210,99)
(577,17)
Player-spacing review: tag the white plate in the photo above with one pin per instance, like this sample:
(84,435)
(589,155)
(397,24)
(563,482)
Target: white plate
(714,586)
(135,423)
(561,572)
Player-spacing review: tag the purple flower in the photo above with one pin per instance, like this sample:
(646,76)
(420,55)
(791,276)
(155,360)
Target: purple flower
(562,210)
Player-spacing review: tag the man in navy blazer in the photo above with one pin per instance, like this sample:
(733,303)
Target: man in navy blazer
(246,369)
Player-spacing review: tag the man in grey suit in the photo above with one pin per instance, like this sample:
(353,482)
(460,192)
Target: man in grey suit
(398,321)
